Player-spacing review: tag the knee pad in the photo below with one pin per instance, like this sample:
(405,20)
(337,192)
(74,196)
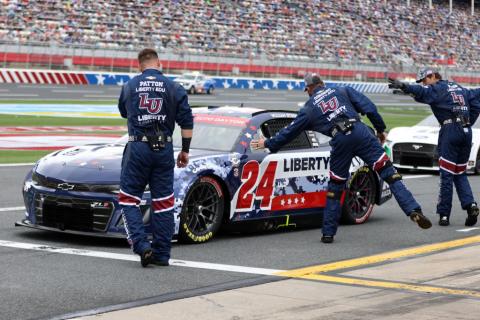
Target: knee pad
(335,189)
(393,178)
(388,173)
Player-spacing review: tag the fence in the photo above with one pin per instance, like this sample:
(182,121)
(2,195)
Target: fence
(39,56)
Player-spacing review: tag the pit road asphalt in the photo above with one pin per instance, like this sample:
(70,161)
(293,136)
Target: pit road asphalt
(41,284)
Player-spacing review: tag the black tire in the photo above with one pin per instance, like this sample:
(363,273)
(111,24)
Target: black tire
(210,90)
(191,90)
(202,211)
(360,197)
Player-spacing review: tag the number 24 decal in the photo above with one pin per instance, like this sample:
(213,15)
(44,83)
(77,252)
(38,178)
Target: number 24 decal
(264,189)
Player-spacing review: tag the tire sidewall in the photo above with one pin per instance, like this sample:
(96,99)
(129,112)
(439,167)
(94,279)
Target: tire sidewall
(347,216)
(187,235)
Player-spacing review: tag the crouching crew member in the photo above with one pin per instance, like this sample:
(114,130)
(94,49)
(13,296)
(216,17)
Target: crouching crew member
(456,109)
(152,104)
(335,112)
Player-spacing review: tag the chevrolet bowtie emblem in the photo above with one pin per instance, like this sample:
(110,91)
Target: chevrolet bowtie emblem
(65,186)
(417,146)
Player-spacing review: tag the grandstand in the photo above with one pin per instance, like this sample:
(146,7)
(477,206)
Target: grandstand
(353,36)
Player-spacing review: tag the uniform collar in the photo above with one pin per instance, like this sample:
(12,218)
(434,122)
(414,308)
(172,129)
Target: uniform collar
(150,70)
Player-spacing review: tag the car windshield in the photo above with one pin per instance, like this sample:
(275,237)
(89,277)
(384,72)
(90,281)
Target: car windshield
(214,133)
(431,121)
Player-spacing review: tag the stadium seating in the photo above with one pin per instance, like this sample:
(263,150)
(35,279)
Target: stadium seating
(347,31)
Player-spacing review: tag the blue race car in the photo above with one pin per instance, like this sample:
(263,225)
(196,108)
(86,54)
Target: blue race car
(225,184)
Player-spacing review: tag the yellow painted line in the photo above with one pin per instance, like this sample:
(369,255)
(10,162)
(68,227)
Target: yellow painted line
(392,285)
(351,263)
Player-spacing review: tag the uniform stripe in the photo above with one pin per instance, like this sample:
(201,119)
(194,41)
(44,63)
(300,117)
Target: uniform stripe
(163,204)
(380,163)
(335,177)
(159,199)
(127,199)
(451,167)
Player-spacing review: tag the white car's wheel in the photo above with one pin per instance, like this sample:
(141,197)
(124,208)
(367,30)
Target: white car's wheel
(191,90)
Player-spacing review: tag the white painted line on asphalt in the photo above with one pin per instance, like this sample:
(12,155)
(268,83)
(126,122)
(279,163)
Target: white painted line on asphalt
(18,95)
(4,90)
(418,177)
(12,209)
(468,229)
(16,164)
(132,257)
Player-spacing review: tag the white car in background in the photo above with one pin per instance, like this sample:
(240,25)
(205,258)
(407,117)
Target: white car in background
(416,147)
(196,82)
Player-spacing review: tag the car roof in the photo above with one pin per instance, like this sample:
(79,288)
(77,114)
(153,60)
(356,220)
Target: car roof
(234,111)
(230,111)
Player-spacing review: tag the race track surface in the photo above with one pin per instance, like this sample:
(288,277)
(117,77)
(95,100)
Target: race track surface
(46,283)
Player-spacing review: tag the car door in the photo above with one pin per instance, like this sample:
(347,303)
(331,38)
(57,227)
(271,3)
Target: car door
(291,181)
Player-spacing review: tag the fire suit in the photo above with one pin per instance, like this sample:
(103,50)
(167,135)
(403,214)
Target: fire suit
(152,104)
(455,109)
(328,111)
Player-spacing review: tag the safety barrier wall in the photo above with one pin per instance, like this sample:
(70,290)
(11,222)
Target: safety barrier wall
(22,76)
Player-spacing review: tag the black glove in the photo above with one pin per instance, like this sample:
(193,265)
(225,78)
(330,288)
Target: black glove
(396,84)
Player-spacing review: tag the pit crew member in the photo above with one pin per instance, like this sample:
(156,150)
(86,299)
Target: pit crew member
(152,104)
(335,112)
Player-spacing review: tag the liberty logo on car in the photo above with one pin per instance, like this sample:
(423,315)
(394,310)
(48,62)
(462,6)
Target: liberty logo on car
(65,186)
(153,105)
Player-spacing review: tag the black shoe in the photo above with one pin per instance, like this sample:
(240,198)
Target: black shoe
(443,221)
(162,263)
(472,216)
(327,239)
(422,221)
(146,257)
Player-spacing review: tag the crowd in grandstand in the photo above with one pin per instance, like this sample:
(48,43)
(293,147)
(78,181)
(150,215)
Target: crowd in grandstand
(350,31)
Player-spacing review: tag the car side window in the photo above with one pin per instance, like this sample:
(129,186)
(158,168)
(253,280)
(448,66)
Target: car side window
(271,127)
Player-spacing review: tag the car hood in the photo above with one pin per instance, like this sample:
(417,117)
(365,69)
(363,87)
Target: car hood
(427,135)
(92,163)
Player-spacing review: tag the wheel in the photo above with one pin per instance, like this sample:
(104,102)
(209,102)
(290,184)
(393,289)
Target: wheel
(360,197)
(202,211)
(191,90)
(210,90)
(477,163)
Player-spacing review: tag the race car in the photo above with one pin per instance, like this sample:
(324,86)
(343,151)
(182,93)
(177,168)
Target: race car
(226,184)
(196,83)
(416,147)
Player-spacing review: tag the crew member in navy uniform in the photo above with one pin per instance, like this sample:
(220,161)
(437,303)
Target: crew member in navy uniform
(335,112)
(152,104)
(456,109)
